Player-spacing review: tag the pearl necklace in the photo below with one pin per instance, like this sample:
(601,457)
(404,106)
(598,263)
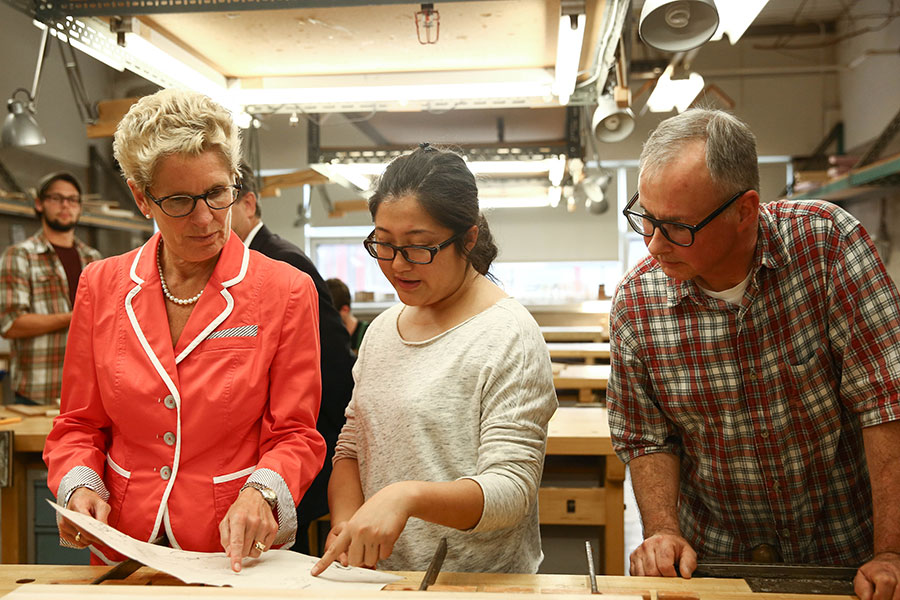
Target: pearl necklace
(169,296)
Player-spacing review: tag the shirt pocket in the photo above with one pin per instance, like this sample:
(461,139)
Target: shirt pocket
(116,479)
(226,488)
(48,293)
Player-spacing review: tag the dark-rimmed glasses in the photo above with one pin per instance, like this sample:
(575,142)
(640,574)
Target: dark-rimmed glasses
(417,255)
(181,205)
(60,199)
(680,234)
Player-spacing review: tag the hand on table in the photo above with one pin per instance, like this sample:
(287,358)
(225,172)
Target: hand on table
(249,521)
(86,501)
(879,579)
(659,554)
(371,532)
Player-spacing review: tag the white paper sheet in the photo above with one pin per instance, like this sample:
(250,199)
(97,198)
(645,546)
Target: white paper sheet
(282,569)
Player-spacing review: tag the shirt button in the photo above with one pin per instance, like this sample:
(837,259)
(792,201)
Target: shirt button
(764,434)
(754,374)
(776,486)
(786,532)
(169,401)
(169,438)
(166,472)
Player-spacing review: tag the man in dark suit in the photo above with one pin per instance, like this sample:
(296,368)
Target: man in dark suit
(337,358)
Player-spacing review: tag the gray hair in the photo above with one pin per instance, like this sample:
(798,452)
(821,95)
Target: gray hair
(730,148)
(171,122)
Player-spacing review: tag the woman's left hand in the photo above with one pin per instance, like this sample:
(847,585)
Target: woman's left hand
(249,521)
(369,535)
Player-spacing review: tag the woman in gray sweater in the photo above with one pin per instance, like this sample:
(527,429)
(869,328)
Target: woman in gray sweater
(447,427)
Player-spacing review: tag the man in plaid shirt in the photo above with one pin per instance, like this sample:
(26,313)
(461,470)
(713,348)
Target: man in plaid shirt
(38,279)
(755,388)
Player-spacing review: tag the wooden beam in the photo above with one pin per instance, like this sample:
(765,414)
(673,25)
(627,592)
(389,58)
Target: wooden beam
(111,112)
(272,185)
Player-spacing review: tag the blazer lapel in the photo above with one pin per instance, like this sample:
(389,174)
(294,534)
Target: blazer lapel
(146,310)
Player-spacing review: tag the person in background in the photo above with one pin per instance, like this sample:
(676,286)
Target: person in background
(755,388)
(336,358)
(446,431)
(340,295)
(191,384)
(38,281)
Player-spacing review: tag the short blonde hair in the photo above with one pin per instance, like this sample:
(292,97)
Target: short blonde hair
(171,122)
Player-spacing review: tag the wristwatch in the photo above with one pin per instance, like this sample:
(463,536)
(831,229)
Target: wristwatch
(268,493)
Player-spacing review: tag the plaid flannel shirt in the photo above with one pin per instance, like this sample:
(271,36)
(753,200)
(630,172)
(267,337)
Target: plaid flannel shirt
(33,281)
(764,401)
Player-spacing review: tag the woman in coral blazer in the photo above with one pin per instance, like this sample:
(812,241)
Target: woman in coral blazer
(191,380)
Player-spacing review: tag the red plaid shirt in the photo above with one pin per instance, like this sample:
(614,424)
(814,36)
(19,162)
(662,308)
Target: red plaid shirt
(33,281)
(764,401)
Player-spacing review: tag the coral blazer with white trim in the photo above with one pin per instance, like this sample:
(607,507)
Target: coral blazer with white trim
(175,432)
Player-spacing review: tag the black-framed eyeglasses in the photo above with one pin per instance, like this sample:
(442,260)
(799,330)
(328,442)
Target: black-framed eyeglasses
(417,255)
(60,199)
(680,234)
(181,205)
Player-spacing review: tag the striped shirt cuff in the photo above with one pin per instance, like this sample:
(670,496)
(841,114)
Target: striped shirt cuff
(285,507)
(78,477)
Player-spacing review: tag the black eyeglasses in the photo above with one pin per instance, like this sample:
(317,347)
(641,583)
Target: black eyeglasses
(680,234)
(60,199)
(181,205)
(417,255)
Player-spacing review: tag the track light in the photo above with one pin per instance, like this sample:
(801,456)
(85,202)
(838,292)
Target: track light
(611,123)
(678,25)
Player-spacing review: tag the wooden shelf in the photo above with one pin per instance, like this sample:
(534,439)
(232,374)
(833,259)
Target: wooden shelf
(12,207)
(882,174)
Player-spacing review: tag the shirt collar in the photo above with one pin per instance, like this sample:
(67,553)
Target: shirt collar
(252,234)
(771,252)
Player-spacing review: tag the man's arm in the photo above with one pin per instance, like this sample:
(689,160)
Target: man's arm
(31,324)
(880,577)
(655,478)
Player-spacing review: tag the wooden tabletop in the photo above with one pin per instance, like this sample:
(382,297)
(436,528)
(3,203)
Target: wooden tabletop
(70,582)
(575,333)
(30,432)
(586,350)
(582,376)
(579,430)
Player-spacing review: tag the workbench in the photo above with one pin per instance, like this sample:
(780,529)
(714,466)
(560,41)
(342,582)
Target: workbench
(572,432)
(70,582)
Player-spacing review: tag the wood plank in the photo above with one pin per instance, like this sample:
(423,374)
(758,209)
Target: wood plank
(110,113)
(579,431)
(588,351)
(575,333)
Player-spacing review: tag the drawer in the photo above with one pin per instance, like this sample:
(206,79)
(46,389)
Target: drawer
(572,506)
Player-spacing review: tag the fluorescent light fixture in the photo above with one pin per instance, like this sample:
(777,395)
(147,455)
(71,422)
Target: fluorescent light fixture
(178,69)
(568,55)
(736,17)
(361,174)
(674,93)
(397,87)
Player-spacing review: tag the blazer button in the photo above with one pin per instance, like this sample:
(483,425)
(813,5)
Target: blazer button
(169,401)
(169,438)
(165,473)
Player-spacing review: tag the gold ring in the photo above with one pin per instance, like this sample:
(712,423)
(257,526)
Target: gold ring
(259,546)
(78,537)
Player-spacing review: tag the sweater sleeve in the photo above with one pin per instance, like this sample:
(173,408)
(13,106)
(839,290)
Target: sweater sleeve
(518,400)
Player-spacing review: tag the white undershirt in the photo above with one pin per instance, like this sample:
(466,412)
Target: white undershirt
(731,295)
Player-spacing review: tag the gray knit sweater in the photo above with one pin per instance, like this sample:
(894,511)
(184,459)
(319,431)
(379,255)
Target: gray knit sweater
(472,402)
